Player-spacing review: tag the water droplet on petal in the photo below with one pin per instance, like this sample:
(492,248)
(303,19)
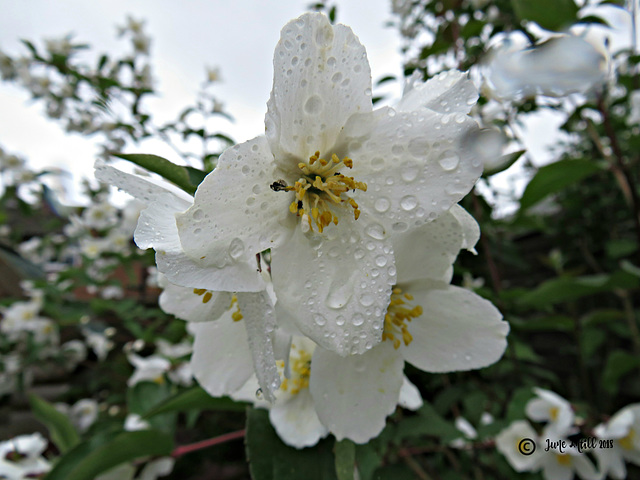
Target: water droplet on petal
(313,105)
(408,203)
(357,319)
(319,319)
(381,260)
(366,299)
(409,171)
(382,204)
(236,248)
(340,320)
(375,230)
(449,160)
(197,214)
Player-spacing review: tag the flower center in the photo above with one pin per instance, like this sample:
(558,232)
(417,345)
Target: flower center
(207,296)
(627,441)
(300,372)
(321,188)
(398,313)
(553,413)
(564,460)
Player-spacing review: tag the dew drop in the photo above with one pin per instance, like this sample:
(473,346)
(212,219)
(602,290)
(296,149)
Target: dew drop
(375,230)
(334,252)
(313,105)
(256,189)
(408,203)
(339,295)
(198,214)
(366,299)
(319,319)
(381,260)
(246,169)
(236,248)
(357,319)
(331,61)
(294,61)
(449,160)
(340,320)
(409,171)
(382,204)
(358,254)
(197,231)
(336,77)
(377,163)
(397,149)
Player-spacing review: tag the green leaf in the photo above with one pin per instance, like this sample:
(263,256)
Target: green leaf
(194,399)
(270,459)
(62,432)
(618,365)
(515,410)
(549,14)
(345,459)
(630,268)
(163,167)
(554,177)
(88,460)
(564,289)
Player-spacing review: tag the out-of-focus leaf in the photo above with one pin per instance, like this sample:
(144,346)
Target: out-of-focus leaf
(618,365)
(629,267)
(594,19)
(427,422)
(62,432)
(620,247)
(195,176)
(549,14)
(515,410)
(385,79)
(163,167)
(345,459)
(194,399)
(270,459)
(554,177)
(571,288)
(86,461)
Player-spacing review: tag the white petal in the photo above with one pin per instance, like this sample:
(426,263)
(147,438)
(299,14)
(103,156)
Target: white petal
(552,469)
(235,214)
(157,468)
(458,330)
(296,421)
(617,427)
(470,228)
(508,442)
(410,397)
(416,165)
(448,92)
(239,276)
(141,188)
(336,285)
(354,395)
(321,77)
(260,322)
(430,250)
(185,304)
(157,223)
(221,360)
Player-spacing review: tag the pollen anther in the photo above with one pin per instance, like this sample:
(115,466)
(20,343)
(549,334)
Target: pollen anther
(398,314)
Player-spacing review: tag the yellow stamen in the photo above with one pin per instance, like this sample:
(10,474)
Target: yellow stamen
(207,296)
(237,315)
(627,441)
(553,413)
(564,460)
(320,186)
(300,364)
(397,315)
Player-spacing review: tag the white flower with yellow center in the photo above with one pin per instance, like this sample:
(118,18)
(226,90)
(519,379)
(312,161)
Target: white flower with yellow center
(208,295)
(624,431)
(552,408)
(148,369)
(21,457)
(330,181)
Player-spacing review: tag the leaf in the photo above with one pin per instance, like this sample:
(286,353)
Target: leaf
(549,14)
(554,177)
(194,399)
(88,460)
(345,459)
(195,176)
(619,363)
(564,289)
(515,410)
(62,432)
(270,459)
(163,167)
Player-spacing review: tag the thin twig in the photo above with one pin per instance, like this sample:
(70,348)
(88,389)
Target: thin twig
(227,437)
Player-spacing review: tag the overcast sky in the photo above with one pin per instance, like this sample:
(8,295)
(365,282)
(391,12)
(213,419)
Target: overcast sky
(239,37)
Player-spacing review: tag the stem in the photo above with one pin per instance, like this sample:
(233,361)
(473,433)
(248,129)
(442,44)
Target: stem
(193,447)
(417,469)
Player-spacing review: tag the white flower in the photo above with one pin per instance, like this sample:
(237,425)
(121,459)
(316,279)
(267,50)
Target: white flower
(134,422)
(634,116)
(330,181)
(175,351)
(450,329)
(23,317)
(98,342)
(149,369)
(157,228)
(551,407)
(100,216)
(21,457)
(82,414)
(624,431)
(514,440)
(562,65)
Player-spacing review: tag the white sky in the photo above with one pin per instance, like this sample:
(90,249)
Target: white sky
(238,36)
